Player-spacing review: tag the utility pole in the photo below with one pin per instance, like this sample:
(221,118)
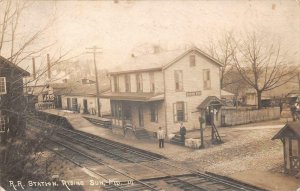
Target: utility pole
(94,52)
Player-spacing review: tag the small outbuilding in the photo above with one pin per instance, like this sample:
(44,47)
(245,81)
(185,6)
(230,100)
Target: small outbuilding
(290,137)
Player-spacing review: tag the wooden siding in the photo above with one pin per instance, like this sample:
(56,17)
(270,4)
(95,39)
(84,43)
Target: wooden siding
(192,81)
(92,104)
(158,82)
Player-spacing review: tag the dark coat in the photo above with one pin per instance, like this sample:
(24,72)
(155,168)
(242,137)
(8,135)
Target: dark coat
(182,130)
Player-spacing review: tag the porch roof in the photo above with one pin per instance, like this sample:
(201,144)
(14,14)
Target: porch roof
(133,96)
(210,101)
(291,129)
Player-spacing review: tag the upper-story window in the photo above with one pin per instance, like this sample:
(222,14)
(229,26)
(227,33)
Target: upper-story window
(206,79)
(139,83)
(152,84)
(3,85)
(192,60)
(116,83)
(178,80)
(127,83)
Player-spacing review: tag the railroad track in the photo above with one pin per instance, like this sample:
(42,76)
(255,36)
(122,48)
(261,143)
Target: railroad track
(116,185)
(198,177)
(115,151)
(195,180)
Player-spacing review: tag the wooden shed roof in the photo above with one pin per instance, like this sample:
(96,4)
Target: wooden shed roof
(134,96)
(291,129)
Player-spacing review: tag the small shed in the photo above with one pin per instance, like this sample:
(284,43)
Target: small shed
(290,137)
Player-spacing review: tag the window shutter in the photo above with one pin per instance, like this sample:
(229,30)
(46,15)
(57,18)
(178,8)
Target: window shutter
(185,112)
(174,112)
(156,113)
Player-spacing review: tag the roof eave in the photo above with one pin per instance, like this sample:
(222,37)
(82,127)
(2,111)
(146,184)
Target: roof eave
(191,50)
(134,71)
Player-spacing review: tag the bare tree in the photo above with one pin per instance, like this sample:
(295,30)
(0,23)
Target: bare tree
(261,65)
(222,51)
(16,45)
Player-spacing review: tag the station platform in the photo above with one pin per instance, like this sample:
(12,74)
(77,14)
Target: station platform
(81,124)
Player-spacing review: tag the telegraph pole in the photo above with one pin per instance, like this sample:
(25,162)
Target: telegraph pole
(94,52)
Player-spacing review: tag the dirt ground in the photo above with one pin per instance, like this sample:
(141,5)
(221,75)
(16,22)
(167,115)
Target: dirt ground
(247,154)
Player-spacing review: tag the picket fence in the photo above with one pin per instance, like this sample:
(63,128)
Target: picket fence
(231,117)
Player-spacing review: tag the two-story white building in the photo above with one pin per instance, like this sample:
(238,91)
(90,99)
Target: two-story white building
(164,89)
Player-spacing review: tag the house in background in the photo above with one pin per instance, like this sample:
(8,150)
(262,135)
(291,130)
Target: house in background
(293,96)
(163,89)
(251,98)
(82,97)
(12,102)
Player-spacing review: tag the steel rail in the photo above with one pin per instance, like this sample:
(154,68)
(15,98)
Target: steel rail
(195,172)
(82,166)
(115,144)
(97,148)
(185,169)
(234,184)
(104,164)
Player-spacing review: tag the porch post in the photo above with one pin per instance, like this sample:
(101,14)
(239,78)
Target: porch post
(201,120)
(211,124)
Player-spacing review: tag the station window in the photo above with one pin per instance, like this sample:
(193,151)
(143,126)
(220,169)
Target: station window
(192,60)
(127,83)
(139,83)
(206,79)
(3,85)
(152,84)
(116,83)
(178,80)
(180,111)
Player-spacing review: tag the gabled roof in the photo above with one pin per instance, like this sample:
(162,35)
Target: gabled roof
(157,61)
(291,129)
(12,65)
(210,101)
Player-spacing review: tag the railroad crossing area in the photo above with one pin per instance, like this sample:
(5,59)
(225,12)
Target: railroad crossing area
(104,157)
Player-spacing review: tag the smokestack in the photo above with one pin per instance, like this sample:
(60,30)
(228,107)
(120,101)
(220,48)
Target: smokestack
(33,68)
(156,49)
(49,66)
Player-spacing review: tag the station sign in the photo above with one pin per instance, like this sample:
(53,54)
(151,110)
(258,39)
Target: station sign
(194,93)
(49,97)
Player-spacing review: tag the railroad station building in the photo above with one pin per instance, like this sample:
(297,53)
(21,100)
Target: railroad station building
(164,89)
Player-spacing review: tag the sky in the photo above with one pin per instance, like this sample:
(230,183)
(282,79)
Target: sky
(123,27)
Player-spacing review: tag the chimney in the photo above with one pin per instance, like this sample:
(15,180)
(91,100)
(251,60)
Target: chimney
(49,66)
(156,49)
(33,68)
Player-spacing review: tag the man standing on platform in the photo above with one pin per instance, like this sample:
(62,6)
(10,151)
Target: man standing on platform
(182,133)
(161,137)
